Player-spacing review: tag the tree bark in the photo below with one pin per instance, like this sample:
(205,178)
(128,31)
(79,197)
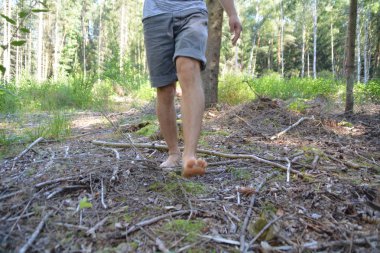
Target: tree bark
(211,73)
(40,46)
(315,19)
(366,59)
(350,57)
(358,71)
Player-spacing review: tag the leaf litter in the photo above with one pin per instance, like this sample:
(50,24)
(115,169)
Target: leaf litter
(72,195)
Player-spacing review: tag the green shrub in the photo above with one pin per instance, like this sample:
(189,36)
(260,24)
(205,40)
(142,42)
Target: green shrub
(233,89)
(9,101)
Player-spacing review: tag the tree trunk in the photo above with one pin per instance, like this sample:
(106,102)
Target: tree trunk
(315,18)
(303,49)
(98,68)
(366,59)
(358,71)
(40,46)
(332,49)
(350,57)
(282,38)
(56,43)
(122,37)
(210,74)
(84,38)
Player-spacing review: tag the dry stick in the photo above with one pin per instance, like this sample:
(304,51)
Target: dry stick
(57,180)
(249,212)
(66,225)
(202,151)
(92,230)
(160,244)
(10,194)
(153,220)
(125,135)
(288,170)
(290,127)
(315,161)
(35,233)
(102,195)
(22,213)
(268,225)
(25,151)
(221,239)
(61,189)
(116,167)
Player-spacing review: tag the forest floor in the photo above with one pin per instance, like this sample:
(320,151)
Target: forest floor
(314,188)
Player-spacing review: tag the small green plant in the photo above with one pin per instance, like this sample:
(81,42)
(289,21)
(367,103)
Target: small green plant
(148,130)
(234,90)
(189,228)
(240,174)
(84,203)
(298,105)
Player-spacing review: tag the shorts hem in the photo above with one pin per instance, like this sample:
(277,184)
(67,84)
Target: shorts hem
(161,81)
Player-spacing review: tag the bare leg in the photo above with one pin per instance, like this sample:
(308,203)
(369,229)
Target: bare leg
(167,118)
(188,71)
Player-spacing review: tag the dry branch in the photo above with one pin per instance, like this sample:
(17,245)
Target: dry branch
(153,220)
(290,127)
(249,212)
(221,240)
(202,151)
(35,233)
(268,225)
(26,150)
(102,195)
(10,194)
(92,230)
(57,180)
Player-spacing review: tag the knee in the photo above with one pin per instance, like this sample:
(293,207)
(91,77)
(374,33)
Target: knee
(167,92)
(186,65)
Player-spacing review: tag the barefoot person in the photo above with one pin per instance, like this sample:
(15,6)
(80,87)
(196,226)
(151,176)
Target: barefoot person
(175,33)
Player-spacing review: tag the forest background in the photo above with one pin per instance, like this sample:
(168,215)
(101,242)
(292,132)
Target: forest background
(75,55)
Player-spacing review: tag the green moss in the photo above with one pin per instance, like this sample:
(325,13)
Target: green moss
(190,228)
(174,186)
(240,174)
(148,130)
(298,105)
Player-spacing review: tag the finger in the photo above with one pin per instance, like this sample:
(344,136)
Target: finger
(236,35)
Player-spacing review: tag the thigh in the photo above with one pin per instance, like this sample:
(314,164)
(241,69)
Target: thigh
(159,44)
(191,35)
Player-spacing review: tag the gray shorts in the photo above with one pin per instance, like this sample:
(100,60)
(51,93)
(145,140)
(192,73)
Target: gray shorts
(167,36)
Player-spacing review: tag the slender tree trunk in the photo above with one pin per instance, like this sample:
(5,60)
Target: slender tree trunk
(98,69)
(84,38)
(5,39)
(303,49)
(56,43)
(122,36)
(251,55)
(211,73)
(17,55)
(359,66)
(332,49)
(40,46)
(315,18)
(270,53)
(308,64)
(350,57)
(255,55)
(279,49)
(282,38)
(366,59)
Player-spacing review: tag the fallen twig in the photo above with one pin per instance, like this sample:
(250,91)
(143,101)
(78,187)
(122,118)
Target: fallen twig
(315,161)
(202,151)
(92,230)
(102,195)
(26,150)
(116,167)
(288,170)
(10,194)
(153,220)
(290,127)
(268,225)
(314,245)
(61,189)
(221,240)
(57,180)
(66,225)
(249,212)
(35,233)
(160,244)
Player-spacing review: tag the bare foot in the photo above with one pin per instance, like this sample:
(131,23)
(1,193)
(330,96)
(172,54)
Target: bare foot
(194,167)
(172,161)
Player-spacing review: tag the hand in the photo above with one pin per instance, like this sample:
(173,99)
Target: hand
(235,28)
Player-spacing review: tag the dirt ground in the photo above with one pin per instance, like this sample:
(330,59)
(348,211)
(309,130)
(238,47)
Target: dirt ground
(315,188)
